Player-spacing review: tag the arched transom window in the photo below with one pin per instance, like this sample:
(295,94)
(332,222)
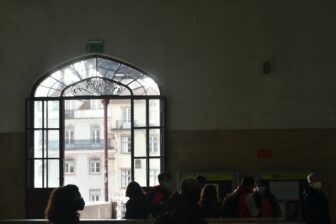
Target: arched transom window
(96,122)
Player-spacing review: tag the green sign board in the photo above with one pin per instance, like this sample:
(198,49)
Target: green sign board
(95,46)
(284,176)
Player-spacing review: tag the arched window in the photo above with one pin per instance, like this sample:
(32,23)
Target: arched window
(88,106)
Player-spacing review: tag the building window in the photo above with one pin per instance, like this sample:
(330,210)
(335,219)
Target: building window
(153,176)
(94,195)
(69,136)
(126,114)
(96,105)
(95,134)
(70,104)
(126,145)
(95,166)
(153,144)
(125,178)
(69,166)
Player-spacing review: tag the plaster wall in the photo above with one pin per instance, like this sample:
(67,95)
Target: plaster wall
(207,57)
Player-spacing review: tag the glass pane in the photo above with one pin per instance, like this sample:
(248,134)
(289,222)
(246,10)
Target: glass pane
(53,144)
(150,85)
(38,173)
(45,107)
(139,113)
(48,82)
(67,76)
(81,69)
(53,114)
(154,171)
(154,112)
(38,141)
(154,142)
(91,67)
(140,142)
(96,67)
(53,173)
(120,117)
(140,174)
(38,114)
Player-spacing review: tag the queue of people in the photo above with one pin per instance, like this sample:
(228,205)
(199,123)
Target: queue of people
(194,202)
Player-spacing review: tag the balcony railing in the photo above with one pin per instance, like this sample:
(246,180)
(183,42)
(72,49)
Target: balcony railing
(122,124)
(79,144)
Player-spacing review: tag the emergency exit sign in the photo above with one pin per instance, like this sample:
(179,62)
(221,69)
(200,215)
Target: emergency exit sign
(95,46)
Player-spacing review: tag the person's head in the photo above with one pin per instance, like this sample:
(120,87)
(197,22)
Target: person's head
(248,184)
(134,190)
(202,180)
(208,194)
(191,189)
(63,204)
(262,187)
(315,180)
(165,181)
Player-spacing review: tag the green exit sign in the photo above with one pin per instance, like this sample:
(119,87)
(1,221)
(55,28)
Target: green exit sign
(95,46)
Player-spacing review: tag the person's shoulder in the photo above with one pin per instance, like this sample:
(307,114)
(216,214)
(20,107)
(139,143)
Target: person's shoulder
(309,191)
(155,189)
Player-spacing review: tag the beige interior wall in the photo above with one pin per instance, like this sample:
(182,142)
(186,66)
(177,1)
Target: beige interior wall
(12,166)
(207,56)
(294,150)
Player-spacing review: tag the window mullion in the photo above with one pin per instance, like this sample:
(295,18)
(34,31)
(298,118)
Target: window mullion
(147,142)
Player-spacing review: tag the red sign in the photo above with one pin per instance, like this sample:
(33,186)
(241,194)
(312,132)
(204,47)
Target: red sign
(265,153)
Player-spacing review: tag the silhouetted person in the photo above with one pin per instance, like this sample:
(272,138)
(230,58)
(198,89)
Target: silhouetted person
(240,203)
(137,205)
(64,204)
(266,201)
(209,202)
(159,194)
(183,208)
(202,180)
(316,205)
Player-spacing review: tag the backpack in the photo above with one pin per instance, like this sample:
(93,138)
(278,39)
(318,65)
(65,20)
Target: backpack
(231,206)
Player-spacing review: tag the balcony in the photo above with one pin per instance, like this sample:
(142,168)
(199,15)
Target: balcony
(122,124)
(83,144)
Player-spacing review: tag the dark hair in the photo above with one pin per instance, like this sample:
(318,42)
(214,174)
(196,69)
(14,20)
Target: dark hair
(161,176)
(201,179)
(264,183)
(208,201)
(208,194)
(247,181)
(189,184)
(60,205)
(134,190)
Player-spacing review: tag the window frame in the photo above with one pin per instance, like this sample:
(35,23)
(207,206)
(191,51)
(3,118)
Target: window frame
(128,177)
(30,128)
(95,161)
(95,134)
(128,145)
(69,136)
(95,195)
(66,161)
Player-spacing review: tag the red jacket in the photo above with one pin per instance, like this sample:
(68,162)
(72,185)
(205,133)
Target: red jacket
(242,207)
